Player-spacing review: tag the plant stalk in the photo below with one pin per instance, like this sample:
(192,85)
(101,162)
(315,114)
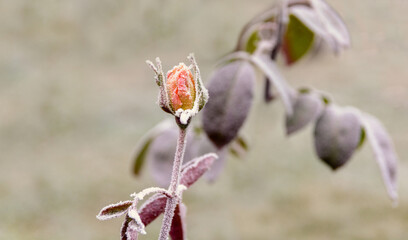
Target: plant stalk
(175,180)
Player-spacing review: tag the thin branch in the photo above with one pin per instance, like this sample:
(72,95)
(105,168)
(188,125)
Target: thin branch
(174,184)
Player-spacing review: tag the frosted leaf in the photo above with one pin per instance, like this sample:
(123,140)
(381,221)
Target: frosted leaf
(178,225)
(114,210)
(337,135)
(231,93)
(307,107)
(333,23)
(132,231)
(142,194)
(152,208)
(194,169)
(384,152)
(124,228)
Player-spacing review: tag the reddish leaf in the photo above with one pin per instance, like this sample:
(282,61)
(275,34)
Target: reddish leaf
(124,229)
(127,232)
(152,208)
(178,225)
(114,210)
(194,169)
(131,231)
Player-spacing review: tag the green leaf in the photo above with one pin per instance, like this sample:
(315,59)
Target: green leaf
(362,138)
(252,42)
(297,41)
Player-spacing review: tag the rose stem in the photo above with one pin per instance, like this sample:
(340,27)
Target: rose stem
(175,179)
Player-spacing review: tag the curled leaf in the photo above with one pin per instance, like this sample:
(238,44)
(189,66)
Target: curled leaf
(307,107)
(231,94)
(324,22)
(194,169)
(178,225)
(337,134)
(333,23)
(384,152)
(114,210)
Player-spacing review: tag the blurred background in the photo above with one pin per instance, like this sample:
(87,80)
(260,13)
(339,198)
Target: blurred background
(76,96)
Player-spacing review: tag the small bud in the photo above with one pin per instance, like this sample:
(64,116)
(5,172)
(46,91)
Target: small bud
(182,94)
(181,87)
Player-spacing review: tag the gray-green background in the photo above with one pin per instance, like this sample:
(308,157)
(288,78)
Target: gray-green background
(76,95)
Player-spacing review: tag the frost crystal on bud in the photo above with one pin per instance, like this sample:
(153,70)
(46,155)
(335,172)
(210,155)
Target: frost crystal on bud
(182,92)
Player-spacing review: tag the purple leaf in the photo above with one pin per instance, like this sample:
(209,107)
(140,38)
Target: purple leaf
(114,210)
(337,134)
(307,106)
(124,228)
(231,94)
(194,169)
(178,225)
(128,232)
(131,231)
(384,153)
(152,208)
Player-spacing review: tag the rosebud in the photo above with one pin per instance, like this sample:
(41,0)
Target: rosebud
(181,87)
(182,94)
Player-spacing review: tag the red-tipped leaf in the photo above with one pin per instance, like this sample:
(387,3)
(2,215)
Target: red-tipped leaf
(194,169)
